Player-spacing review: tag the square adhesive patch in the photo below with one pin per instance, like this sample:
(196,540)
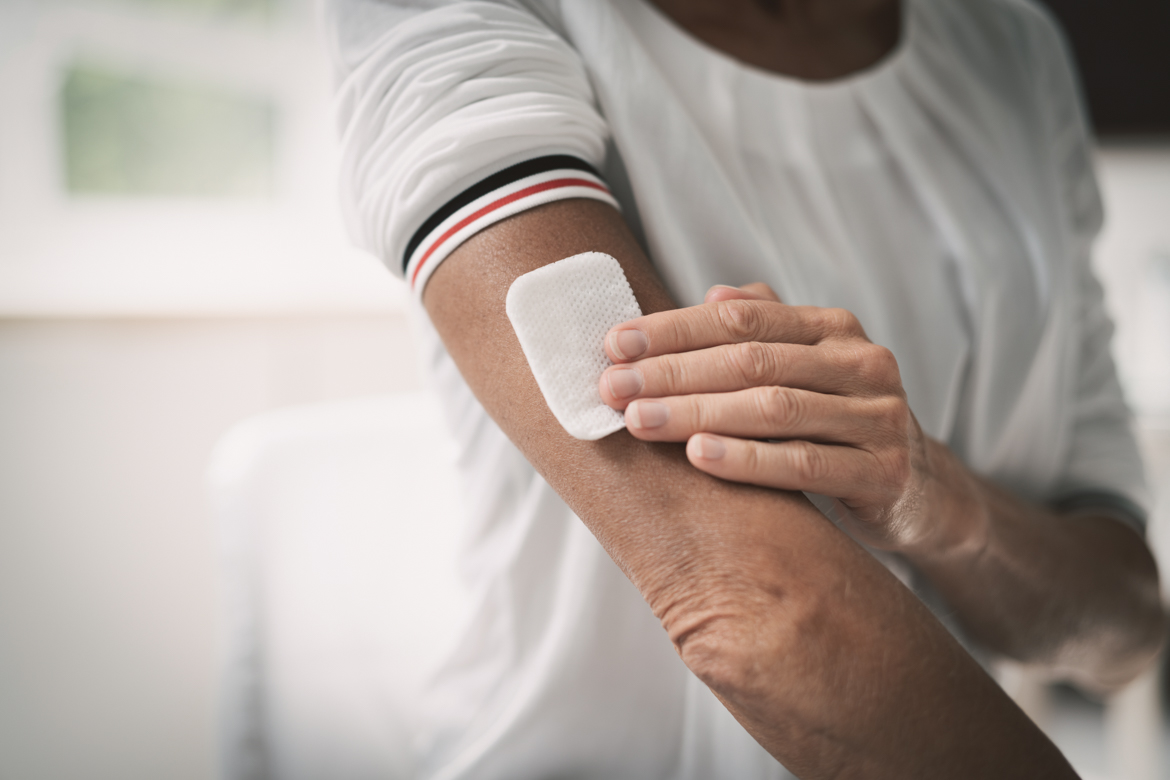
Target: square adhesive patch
(561,313)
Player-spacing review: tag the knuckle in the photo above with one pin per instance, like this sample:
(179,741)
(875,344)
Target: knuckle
(740,319)
(885,362)
(889,419)
(897,466)
(808,462)
(898,413)
(704,414)
(675,331)
(670,373)
(855,360)
(843,322)
(753,361)
(777,406)
(869,363)
(876,365)
(753,464)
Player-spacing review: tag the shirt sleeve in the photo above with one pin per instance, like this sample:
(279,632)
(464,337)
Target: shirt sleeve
(1103,471)
(455,115)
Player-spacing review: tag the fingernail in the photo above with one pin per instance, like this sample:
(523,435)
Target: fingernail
(647,414)
(715,288)
(624,382)
(706,447)
(628,344)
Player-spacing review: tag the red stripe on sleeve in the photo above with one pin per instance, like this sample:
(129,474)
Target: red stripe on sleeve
(515,196)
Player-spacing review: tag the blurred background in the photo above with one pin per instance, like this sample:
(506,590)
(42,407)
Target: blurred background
(172,262)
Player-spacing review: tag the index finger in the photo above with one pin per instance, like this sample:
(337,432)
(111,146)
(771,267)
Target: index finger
(724,322)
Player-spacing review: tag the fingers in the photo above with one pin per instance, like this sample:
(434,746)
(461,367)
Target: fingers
(755,291)
(855,367)
(727,322)
(771,413)
(831,470)
(732,367)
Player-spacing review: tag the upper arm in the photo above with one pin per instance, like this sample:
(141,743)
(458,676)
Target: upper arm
(465,300)
(438,109)
(435,107)
(627,491)
(443,96)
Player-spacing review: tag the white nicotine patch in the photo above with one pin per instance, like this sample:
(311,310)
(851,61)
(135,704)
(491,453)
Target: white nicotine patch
(561,313)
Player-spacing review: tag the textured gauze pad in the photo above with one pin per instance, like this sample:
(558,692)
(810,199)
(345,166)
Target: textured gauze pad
(561,313)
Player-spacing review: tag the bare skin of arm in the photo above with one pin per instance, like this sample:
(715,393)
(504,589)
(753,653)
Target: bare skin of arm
(1078,593)
(824,657)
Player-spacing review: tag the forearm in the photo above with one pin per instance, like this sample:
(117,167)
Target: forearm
(1076,593)
(822,655)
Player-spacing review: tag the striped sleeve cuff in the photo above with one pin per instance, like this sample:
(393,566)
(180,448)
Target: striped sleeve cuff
(1103,502)
(501,195)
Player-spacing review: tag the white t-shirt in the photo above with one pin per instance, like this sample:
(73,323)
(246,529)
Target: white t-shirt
(945,196)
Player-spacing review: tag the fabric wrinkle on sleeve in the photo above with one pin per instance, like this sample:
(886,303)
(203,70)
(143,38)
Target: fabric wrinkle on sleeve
(1103,470)
(457,116)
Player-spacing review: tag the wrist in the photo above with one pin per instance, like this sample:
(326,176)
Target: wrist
(957,515)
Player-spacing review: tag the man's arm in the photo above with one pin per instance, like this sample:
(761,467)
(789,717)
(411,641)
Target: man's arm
(827,660)
(798,398)
(1077,593)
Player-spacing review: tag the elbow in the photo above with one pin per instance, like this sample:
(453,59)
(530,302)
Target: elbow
(1130,644)
(736,647)
(1114,649)
(1120,655)
(1113,635)
(720,655)
(1150,636)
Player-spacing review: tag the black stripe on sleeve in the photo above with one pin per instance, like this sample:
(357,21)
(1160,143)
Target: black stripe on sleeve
(505,177)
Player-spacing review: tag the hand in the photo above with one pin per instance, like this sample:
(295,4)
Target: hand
(794,398)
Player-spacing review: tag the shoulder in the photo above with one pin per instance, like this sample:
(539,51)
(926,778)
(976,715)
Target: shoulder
(1004,36)
(355,27)
(1014,50)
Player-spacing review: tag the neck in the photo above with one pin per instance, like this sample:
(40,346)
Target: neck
(815,40)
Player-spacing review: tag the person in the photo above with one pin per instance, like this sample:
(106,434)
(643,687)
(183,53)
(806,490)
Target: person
(927,431)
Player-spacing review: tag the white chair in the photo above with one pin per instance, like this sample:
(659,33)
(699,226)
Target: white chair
(338,526)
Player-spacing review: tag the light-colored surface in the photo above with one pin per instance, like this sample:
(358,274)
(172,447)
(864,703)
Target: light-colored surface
(339,525)
(1083,730)
(1133,259)
(1134,730)
(111,256)
(108,577)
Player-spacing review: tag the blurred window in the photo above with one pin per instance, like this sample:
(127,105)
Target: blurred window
(172,157)
(127,135)
(260,9)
